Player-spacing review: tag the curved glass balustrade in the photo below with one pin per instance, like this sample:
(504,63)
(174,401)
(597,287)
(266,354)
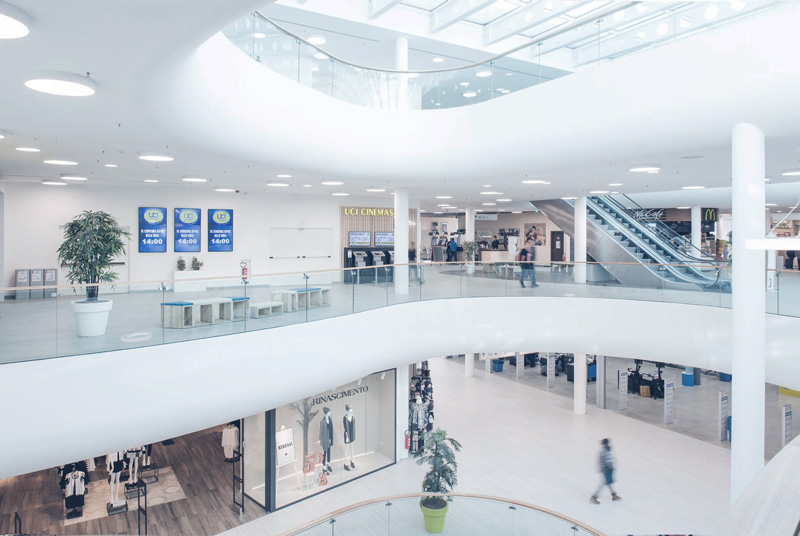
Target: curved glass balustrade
(467,515)
(155,312)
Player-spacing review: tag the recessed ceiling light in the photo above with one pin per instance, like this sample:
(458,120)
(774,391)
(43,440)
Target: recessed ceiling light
(509,74)
(58,83)
(646,168)
(691,156)
(484,73)
(682,208)
(156,157)
(465,84)
(438,60)
(503,200)
(321,56)
(692,187)
(469,94)
(316,40)
(60,162)
(224,190)
(487,185)
(28,149)
(533,182)
(711,12)
(110,165)
(488,204)
(791,173)
(770,204)
(306,186)
(614,193)
(284,176)
(516,212)
(73,178)
(278,184)
(444,205)
(444,197)
(438,212)
(491,193)
(616,184)
(258,35)
(332,183)
(13,22)
(599,192)
(478,210)
(193,179)
(54,183)
(376,190)
(340,193)
(150,180)
(568,198)
(505,91)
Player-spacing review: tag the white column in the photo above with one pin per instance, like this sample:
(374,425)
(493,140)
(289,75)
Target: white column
(697,227)
(579,273)
(401,240)
(748,327)
(772,256)
(579,381)
(401,404)
(600,383)
(469,364)
(401,64)
(469,223)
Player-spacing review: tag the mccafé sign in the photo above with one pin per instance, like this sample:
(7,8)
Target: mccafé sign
(365,211)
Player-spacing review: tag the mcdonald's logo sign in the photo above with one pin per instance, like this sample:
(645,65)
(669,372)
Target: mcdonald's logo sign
(709,214)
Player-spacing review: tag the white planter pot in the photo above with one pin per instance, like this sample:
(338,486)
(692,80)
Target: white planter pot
(91,317)
(470,268)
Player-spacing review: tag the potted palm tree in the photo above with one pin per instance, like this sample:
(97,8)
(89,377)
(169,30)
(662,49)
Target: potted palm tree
(91,241)
(470,249)
(438,452)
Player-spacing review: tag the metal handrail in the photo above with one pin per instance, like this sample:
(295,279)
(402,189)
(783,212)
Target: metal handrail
(579,21)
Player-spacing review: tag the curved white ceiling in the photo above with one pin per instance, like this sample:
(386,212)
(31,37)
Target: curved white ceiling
(224,116)
(210,381)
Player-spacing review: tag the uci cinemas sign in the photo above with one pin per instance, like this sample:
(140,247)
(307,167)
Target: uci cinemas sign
(365,211)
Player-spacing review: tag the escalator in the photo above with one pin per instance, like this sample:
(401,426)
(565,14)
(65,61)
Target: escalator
(637,253)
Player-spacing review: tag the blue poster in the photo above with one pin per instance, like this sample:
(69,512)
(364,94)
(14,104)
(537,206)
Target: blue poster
(220,230)
(152,230)
(187,229)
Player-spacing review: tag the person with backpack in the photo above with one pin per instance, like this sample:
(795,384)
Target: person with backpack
(525,260)
(607,468)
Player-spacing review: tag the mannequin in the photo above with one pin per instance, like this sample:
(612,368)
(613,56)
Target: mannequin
(148,450)
(114,464)
(349,425)
(326,438)
(133,466)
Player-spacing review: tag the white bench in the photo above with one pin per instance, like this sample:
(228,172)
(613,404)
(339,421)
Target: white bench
(314,297)
(211,310)
(287,297)
(557,266)
(178,314)
(262,309)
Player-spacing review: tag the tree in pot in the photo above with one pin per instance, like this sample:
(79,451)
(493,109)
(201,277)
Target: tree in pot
(438,452)
(91,241)
(470,249)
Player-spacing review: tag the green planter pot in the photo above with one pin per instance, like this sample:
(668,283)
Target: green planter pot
(434,518)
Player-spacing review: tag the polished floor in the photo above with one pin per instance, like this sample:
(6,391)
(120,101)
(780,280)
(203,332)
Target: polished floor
(524,443)
(44,328)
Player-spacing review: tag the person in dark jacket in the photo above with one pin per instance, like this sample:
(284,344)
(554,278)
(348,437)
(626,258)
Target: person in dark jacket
(452,251)
(525,260)
(607,468)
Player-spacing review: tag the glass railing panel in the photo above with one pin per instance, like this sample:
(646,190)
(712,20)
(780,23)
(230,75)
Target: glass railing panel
(279,300)
(323,528)
(442,281)
(370,289)
(328,296)
(786,299)
(364,521)
(481,279)
(29,327)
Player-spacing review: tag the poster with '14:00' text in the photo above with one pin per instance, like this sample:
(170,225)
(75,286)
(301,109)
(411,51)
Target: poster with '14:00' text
(220,230)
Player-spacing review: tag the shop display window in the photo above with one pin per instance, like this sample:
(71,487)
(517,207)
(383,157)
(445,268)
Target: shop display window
(255,458)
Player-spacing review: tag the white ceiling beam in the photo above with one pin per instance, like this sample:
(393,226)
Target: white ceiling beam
(528,17)
(379,7)
(450,13)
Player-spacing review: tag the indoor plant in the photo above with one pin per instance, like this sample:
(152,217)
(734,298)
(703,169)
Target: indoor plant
(438,452)
(91,241)
(470,248)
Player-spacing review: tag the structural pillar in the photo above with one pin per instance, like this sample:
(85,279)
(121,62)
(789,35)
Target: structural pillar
(772,255)
(579,381)
(748,311)
(600,383)
(469,223)
(697,227)
(401,241)
(401,64)
(401,403)
(579,273)
(469,364)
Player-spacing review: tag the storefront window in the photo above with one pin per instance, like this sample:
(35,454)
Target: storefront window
(255,458)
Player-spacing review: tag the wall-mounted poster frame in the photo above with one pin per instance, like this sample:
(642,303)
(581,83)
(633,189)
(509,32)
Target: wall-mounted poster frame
(187,230)
(220,229)
(152,230)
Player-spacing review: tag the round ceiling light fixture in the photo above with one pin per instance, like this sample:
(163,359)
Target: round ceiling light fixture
(692,187)
(791,173)
(156,157)
(692,157)
(469,94)
(616,184)
(491,193)
(533,181)
(13,22)
(598,192)
(569,198)
(645,168)
(150,180)
(488,204)
(28,149)
(194,179)
(60,83)
(321,56)
(376,190)
(225,190)
(332,183)
(444,197)
(306,186)
(111,165)
(437,59)
(316,40)
(278,184)
(682,208)
(56,162)
(484,73)
(503,200)
(257,35)
(340,193)
(66,177)
(284,176)
(54,183)
(711,12)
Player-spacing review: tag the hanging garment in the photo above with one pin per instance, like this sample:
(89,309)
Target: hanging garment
(134,452)
(326,432)
(115,462)
(418,418)
(230,441)
(349,426)
(75,484)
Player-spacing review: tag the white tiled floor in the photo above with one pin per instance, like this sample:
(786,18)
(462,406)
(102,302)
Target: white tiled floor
(524,443)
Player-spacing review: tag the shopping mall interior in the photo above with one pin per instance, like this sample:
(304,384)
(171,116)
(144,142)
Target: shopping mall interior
(346,266)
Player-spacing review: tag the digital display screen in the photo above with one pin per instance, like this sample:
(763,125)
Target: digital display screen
(384,239)
(360,239)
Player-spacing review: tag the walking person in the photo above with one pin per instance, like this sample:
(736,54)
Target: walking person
(525,260)
(607,468)
(452,251)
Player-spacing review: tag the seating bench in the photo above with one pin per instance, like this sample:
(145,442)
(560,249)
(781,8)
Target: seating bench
(262,309)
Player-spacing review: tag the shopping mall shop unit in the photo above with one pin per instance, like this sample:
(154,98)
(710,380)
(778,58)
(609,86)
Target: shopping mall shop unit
(320,442)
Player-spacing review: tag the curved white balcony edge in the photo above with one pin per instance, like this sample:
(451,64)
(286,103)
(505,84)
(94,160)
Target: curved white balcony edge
(143,395)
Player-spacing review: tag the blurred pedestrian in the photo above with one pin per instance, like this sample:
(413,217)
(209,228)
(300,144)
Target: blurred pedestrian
(607,468)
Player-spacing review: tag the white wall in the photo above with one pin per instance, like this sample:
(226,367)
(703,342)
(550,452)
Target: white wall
(205,382)
(34,212)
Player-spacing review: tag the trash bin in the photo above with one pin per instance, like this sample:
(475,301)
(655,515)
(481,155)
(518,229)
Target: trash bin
(497,365)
